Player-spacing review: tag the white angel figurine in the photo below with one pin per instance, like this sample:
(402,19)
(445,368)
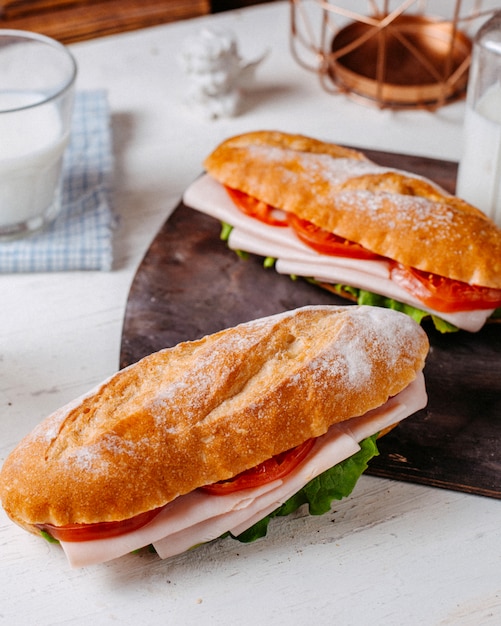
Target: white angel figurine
(216,73)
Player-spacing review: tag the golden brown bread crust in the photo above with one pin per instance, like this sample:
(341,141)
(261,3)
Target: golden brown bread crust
(206,410)
(398,215)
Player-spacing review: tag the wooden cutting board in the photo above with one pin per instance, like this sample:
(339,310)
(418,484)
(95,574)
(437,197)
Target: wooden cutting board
(189,285)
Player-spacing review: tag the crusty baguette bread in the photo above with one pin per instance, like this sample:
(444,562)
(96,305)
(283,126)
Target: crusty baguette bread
(206,410)
(396,214)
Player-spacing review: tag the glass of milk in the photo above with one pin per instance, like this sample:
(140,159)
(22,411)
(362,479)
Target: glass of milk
(37,80)
(479,174)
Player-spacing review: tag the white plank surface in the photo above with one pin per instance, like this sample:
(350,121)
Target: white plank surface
(393,553)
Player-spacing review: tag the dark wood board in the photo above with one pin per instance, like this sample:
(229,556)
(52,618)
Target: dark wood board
(189,285)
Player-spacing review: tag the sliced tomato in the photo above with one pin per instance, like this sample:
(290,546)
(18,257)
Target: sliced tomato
(277,467)
(320,240)
(272,469)
(444,294)
(326,242)
(100,530)
(257,208)
(435,291)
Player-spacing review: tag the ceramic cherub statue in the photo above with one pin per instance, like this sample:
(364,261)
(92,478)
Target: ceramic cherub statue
(216,72)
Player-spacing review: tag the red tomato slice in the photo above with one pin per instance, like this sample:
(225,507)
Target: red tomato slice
(328,243)
(444,294)
(272,469)
(257,208)
(437,292)
(277,467)
(100,530)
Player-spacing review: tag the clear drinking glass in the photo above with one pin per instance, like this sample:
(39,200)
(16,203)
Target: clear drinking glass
(37,80)
(479,175)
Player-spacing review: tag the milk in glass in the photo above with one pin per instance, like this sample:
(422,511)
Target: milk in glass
(479,176)
(32,143)
(37,83)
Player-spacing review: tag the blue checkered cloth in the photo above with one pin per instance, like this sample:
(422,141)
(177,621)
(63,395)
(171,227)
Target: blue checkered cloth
(81,237)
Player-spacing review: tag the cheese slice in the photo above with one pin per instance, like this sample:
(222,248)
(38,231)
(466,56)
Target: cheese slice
(199,517)
(295,257)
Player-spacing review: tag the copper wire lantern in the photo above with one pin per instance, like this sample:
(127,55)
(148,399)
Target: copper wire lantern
(396,56)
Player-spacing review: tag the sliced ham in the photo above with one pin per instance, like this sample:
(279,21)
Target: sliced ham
(409,401)
(357,277)
(181,513)
(294,257)
(334,446)
(199,517)
(281,243)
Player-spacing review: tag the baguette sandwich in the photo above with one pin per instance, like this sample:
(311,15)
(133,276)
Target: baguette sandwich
(372,234)
(218,435)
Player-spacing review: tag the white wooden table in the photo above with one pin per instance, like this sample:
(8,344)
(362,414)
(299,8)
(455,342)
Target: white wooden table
(397,553)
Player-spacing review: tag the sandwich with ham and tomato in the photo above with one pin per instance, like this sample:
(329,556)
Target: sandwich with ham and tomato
(217,436)
(369,233)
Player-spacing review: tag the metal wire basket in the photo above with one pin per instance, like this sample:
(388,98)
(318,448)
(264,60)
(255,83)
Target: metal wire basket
(395,55)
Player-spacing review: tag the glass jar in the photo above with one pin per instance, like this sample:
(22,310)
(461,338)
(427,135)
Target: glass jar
(479,174)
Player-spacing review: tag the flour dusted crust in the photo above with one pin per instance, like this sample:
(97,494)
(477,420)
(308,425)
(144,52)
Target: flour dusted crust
(206,410)
(393,213)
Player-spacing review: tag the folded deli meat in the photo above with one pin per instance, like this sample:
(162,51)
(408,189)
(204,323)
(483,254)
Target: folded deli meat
(219,435)
(373,234)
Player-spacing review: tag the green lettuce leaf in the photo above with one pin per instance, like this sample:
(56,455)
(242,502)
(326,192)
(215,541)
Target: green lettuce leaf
(225,231)
(334,484)
(496,314)
(374,299)
(362,296)
(367,297)
(48,537)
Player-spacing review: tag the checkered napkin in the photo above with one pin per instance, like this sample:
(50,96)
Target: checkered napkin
(81,236)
